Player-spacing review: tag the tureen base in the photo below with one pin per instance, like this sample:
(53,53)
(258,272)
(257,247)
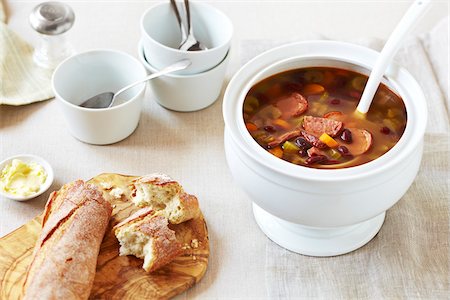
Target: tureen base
(317,241)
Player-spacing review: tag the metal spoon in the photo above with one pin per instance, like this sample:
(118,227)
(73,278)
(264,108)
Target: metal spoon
(188,41)
(106,100)
(191,43)
(180,23)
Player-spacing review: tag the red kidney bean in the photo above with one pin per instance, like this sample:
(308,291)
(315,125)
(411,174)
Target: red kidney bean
(385,130)
(346,136)
(302,143)
(270,129)
(293,87)
(335,101)
(343,150)
(317,159)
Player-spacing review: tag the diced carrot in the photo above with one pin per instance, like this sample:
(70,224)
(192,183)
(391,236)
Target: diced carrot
(328,140)
(251,127)
(313,89)
(277,151)
(282,123)
(333,115)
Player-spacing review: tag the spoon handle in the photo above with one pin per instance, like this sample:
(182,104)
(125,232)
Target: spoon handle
(416,10)
(180,21)
(180,65)
(188,16)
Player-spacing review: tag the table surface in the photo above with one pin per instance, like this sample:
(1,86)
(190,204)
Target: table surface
(189,146)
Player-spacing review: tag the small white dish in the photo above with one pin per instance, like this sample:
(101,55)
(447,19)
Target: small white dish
(161,36)
(186,93)
(28,158)
(90,73)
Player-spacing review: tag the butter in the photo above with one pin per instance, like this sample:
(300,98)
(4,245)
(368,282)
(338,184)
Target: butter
(22,179)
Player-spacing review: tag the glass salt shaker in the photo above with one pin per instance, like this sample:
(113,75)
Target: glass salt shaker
(52,20)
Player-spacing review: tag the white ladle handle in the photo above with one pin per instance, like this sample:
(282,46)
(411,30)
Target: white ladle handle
(390,48)
(179,65)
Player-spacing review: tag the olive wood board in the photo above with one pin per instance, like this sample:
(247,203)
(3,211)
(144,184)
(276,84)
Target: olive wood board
(117,277)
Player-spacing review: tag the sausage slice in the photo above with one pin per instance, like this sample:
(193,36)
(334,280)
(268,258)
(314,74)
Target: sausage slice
(362,141)
(320,125)
(314,151)
(293,105)
(313,140)
(284,137)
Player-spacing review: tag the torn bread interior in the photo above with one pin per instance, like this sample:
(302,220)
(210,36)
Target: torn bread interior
(165,195)
(146,235)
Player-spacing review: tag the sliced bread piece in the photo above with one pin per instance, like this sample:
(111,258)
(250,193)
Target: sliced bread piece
(165,195)
(146,235)
(154,190)
(182,207)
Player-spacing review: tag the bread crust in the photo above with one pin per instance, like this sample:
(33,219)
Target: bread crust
(165,195)
(183,208)
(137,216)
(146,234)
(164,245)
(65,256)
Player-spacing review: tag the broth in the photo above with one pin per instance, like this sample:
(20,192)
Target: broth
(307,117)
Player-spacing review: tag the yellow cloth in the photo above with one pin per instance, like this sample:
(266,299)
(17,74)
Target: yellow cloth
(21,80)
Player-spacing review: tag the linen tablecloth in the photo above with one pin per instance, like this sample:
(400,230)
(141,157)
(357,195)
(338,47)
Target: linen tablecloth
(409,258)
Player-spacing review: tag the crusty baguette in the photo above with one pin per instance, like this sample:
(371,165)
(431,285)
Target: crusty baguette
(165,195)
(146,235)
(65,256)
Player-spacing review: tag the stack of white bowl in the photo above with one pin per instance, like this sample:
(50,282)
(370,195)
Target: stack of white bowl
(199,85)
(90,73)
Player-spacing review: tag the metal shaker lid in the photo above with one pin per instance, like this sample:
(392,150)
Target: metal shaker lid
(52,18)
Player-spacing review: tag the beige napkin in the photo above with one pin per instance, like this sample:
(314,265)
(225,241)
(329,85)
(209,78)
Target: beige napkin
(21,80)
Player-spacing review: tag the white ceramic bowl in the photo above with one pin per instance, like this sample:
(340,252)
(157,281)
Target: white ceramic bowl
(28,158)
(187,92)
(161,36)
(315,211)
(87,74)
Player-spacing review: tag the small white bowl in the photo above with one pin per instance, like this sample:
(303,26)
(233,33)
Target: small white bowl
(187,92)
(161,36)
(90,73)
(27,158)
